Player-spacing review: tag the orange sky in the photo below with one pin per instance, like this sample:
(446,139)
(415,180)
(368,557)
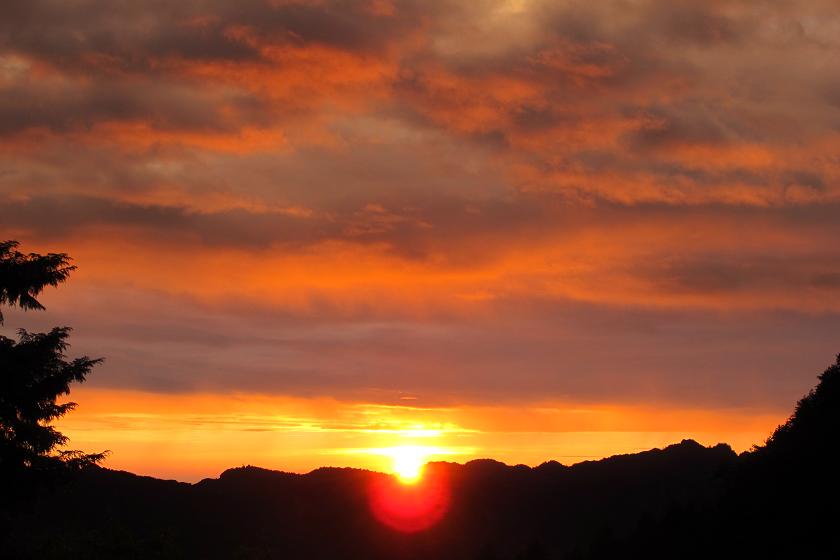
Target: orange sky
(476,215)
(190,437)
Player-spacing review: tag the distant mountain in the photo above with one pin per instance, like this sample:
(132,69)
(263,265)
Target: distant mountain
(684,501)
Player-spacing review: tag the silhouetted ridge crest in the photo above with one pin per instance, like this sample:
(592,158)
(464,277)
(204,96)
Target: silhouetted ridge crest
(684,500)
(251,472)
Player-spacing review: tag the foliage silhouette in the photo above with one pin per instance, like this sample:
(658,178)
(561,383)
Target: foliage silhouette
(815,423)
(34,373)
(24,276)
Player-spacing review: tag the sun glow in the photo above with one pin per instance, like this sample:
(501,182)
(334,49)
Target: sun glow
(408,462)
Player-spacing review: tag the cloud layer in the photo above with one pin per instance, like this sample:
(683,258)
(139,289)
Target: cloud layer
(460,201)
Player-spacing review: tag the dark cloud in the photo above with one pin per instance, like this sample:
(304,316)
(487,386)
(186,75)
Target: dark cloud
(410,227)
(465,232)
(132,36)
(125,33)
(722,273)
(535,349)
(65,107)
(697,22)
(59,217)
(666,127)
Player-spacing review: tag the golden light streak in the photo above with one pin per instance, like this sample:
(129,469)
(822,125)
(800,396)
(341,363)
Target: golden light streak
(193,436)
(407,461)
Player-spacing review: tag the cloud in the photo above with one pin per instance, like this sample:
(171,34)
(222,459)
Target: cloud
(432,195)
(655,255)
(131,37)
(704,102)
(531,351)
(66,106)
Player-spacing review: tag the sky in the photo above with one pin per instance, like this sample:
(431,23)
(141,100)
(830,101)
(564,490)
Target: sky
(314,232)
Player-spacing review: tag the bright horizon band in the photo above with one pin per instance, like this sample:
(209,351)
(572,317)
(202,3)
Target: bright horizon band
(190,437)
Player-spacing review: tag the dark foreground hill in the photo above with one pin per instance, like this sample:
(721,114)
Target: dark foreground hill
(685,501)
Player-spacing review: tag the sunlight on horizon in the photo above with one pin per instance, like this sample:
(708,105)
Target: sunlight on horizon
(409,461)
(191,437)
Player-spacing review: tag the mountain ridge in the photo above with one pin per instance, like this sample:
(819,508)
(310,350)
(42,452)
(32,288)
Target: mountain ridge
(685,500)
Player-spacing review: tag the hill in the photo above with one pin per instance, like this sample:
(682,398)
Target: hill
(684,501)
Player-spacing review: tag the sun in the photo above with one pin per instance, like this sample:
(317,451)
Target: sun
(408,462)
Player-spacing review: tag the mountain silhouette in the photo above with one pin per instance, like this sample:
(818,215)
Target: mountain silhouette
(683,501)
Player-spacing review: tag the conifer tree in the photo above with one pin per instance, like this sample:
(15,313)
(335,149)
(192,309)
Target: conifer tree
(23,277)
(34,373)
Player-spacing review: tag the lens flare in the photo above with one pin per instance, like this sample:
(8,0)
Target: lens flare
(409,508)
(414,497)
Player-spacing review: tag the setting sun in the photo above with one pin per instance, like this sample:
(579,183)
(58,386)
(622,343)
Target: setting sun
(409,461)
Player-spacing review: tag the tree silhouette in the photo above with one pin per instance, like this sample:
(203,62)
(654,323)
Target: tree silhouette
(815,422)
(24,276)
(34,373)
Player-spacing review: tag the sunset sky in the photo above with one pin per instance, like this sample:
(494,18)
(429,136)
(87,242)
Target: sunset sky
(316,232)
